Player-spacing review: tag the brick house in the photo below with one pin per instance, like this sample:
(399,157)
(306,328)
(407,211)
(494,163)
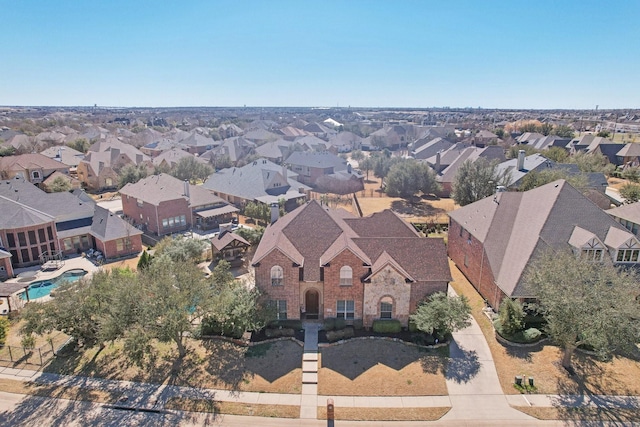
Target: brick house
(317,262)
(34,167)
(163,204)
(100,167)
(35,225)
(493,240)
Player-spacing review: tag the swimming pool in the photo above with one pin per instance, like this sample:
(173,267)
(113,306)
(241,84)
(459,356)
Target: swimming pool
(42,288)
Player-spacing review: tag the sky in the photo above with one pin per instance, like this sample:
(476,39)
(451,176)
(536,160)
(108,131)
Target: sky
(537,54)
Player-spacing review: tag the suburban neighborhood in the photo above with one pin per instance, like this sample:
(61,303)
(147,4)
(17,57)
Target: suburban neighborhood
(325,255)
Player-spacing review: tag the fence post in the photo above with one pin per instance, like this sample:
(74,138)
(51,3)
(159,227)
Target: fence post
(40,353)
(10,354)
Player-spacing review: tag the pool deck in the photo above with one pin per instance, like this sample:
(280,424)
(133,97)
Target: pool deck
(69,264)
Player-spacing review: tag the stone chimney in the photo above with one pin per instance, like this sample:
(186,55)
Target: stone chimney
(521,160)
(437,168)
(186,188)
(275,212)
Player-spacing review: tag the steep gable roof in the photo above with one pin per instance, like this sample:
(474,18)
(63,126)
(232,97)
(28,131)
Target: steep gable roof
(513,227)
(313,235)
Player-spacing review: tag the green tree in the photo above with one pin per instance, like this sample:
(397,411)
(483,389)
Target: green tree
(477,180)
(80,144)
(7,151)
(131,174)
(60,185)
(545,129)
(511,316)
(589,162)
(514,150)
(238,307)
(556,154)
(251,235)
(586,303)
(535,179)
(144,261)
(604,134)
(632,174)
(4,329)
(192,170)
(563,131)
(409,177)
(258,211)
(442,315)
(500,133)
(357,155)
(382,165)
(366,165)
(181,249)
(630,192)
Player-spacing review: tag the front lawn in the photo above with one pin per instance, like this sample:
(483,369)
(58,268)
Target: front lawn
(272,367)
(381,368)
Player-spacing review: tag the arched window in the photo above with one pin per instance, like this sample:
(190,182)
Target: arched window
(277,276)
(346,276)
(386,308)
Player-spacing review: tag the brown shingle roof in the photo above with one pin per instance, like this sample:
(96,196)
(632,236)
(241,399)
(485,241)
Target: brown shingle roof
(313,234)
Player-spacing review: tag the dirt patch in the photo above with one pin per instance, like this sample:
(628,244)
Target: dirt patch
(582,414)
(385,414)
(617,377)
(59,392)
(381,368)
(273,368)
(233,408)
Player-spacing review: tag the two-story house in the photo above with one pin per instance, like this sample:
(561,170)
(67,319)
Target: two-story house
(495,239)
(317,263)
(163,204)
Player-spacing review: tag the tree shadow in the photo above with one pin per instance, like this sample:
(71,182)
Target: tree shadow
(584,398)
(417,207)
(463,365)
(523,353)
(354,358)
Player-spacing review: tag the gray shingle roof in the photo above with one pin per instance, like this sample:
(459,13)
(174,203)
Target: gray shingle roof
(256,180)
(514,226)
(108,226)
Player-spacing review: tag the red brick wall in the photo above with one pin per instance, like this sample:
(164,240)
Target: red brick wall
(110,247)
(169,209)
(469,255)
(290,291)
(334,292)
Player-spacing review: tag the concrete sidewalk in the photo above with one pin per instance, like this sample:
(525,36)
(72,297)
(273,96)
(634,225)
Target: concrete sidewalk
(472,380)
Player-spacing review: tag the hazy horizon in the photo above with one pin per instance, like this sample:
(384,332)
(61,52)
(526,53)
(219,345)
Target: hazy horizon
(359,54)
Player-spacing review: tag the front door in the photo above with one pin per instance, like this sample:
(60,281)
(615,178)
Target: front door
(311,304)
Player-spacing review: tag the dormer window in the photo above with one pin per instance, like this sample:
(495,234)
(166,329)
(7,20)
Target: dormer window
(35,175)
(593,254)
(627,255)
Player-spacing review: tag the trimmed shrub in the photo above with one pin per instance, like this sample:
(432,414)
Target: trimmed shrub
(288,323)
(333,336)
(340,324)
(531,334)
(329,324)
(349,332)
(412,326)
(279,332)
(511,316)
(385,326)
(358,325)
(212,327)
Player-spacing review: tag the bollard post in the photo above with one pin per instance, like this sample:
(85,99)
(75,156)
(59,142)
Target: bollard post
(330,410)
